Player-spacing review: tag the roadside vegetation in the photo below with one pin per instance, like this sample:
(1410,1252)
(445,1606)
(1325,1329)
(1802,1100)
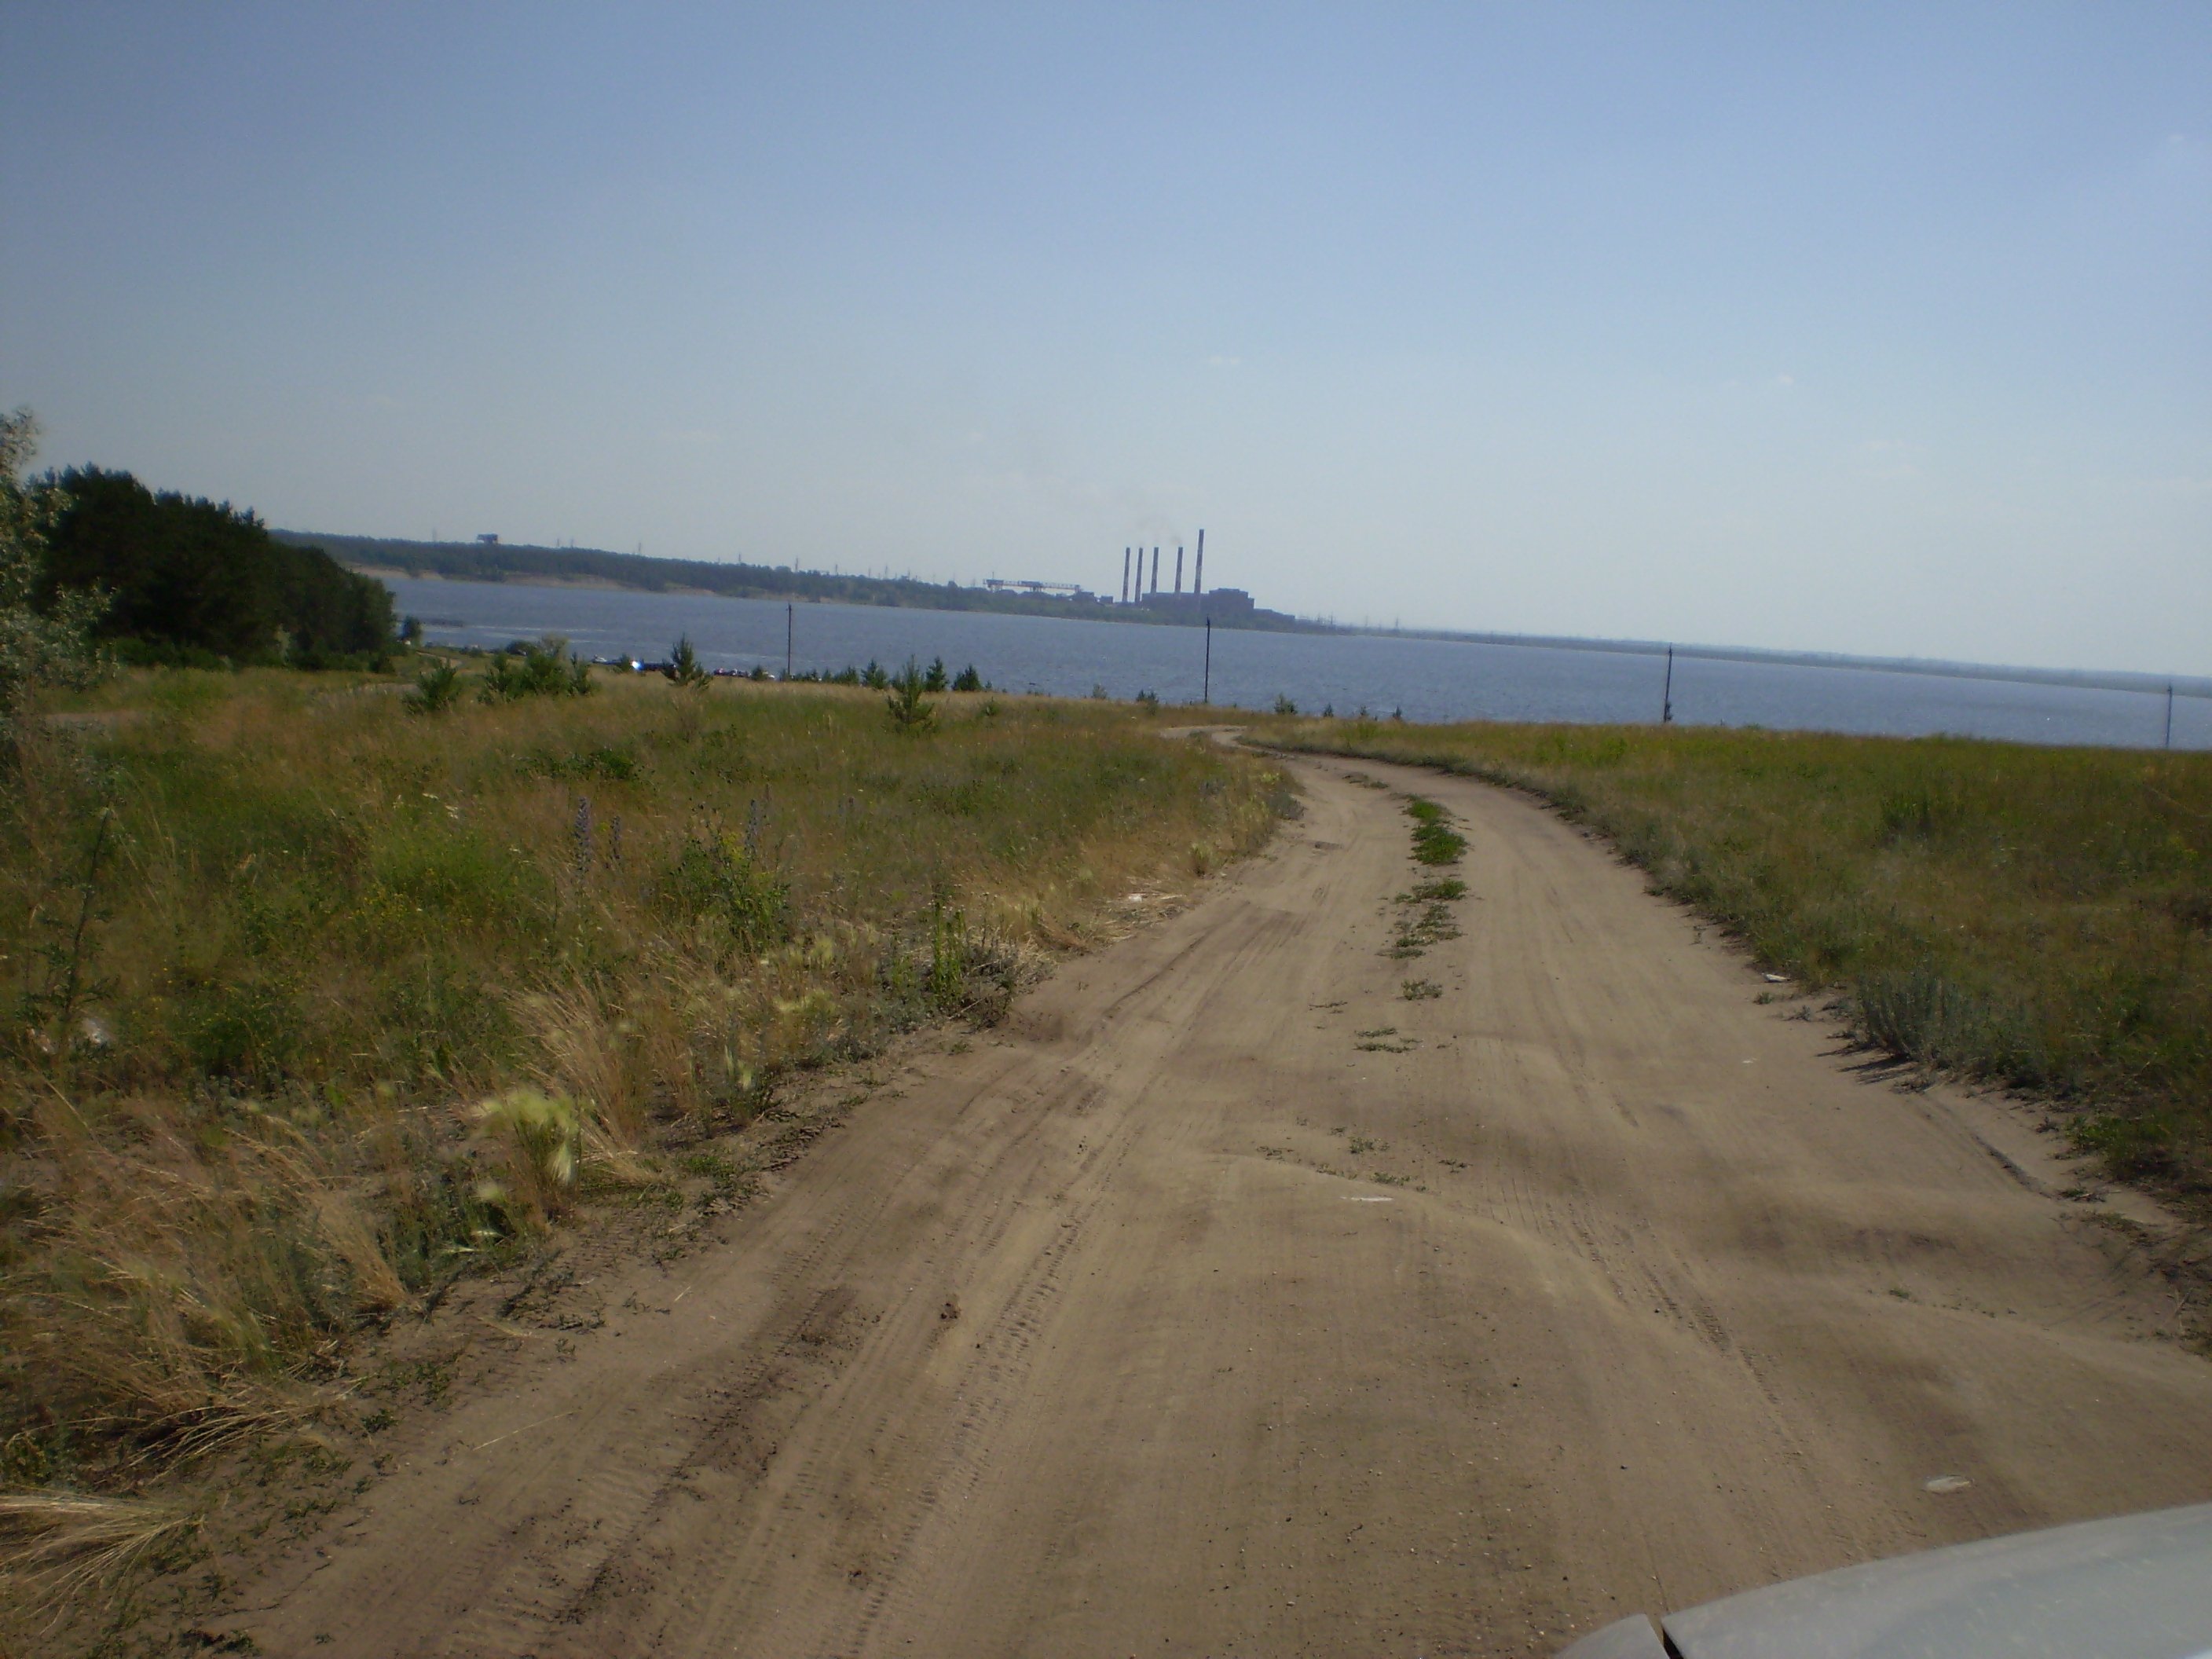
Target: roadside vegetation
(2036,918)
(323,990)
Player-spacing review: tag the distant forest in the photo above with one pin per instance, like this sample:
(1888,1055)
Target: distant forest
(194,582)
(499,562)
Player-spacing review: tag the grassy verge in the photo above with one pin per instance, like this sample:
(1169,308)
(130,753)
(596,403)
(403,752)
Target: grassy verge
(2040,918)
(316,1000)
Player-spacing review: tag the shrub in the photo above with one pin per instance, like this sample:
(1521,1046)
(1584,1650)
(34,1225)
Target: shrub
(437,689)
(45,629)
(536,670)
(684,669)
(743,907)
(907,711)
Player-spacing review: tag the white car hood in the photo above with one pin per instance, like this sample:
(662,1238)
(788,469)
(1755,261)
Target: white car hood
(2137,1587)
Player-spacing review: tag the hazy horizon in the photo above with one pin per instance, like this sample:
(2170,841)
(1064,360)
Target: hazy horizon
(1880,332)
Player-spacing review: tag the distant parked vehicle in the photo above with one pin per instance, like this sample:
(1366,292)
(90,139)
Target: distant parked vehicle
(2137,1587)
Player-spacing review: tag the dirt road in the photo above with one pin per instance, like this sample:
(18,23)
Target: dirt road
(1173,1320)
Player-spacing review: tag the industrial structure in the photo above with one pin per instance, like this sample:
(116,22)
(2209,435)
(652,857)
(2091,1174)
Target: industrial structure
(1143,594)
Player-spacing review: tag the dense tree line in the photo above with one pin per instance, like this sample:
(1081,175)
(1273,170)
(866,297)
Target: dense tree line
(194,581)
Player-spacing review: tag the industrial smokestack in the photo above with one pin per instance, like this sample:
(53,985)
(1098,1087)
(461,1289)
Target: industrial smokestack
(1156,570)
(1198,576)
(1178,570)
(1125,575)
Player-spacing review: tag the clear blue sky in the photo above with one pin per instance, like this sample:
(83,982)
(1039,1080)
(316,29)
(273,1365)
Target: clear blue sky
(1873,328)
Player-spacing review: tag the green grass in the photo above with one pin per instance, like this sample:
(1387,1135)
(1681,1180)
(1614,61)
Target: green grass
(2036,917)
(317,995)
(1435,841)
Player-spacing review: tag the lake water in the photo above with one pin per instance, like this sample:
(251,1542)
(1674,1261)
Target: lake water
(1427,679)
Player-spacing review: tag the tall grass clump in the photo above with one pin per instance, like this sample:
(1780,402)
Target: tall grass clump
(313,1003)
(2037,917)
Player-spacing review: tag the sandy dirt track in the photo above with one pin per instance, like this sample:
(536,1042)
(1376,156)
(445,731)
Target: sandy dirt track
(1103,1337)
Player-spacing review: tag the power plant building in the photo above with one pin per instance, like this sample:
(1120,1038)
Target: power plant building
(1223,603)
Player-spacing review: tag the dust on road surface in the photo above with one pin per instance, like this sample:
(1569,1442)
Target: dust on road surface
(1172,1320)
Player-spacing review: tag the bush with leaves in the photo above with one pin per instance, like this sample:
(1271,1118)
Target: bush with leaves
(727,901)
(48,644)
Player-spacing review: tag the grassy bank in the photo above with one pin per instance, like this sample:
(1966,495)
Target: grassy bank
(2040,918)
(316,1001)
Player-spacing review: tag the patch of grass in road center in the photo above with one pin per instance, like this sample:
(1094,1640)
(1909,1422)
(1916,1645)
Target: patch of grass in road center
(1383,1039)
(2035,917)
(1433,923)
(1435,841)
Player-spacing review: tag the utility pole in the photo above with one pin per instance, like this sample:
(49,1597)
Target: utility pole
(790,631)
(2169,714)
(1205,695)
(1666,696)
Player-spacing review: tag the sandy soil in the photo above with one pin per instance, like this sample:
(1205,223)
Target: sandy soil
(1170,1321)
